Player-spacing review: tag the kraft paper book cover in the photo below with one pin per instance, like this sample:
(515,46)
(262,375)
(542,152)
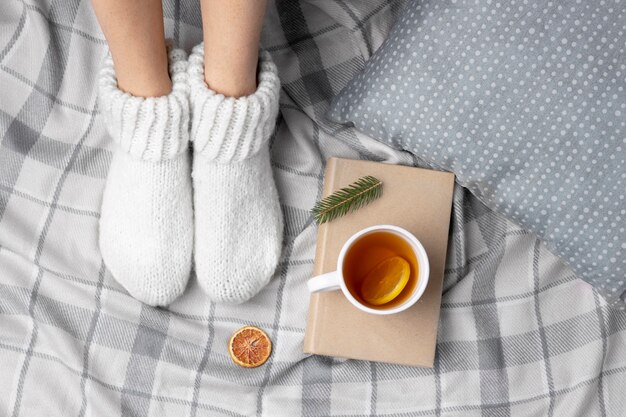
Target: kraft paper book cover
(419,200)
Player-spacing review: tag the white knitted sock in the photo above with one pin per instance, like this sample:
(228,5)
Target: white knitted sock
(146,223)
(238,219)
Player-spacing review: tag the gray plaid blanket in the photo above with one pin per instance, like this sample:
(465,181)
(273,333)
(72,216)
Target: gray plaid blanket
(519,334)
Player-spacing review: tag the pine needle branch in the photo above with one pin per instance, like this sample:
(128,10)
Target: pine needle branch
(358,194)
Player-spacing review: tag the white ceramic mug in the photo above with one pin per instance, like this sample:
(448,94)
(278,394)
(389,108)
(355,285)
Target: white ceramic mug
(335,280)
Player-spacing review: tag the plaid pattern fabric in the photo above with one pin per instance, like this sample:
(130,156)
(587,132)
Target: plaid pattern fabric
(519,334)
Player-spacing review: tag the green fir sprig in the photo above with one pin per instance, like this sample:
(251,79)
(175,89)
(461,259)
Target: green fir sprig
(358,194)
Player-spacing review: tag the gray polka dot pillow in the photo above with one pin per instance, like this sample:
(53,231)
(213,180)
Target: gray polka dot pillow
(525,101)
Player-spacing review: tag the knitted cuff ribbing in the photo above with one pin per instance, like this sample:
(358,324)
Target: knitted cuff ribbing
(226,129)
(153,128)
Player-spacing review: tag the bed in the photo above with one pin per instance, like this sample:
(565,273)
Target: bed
(520,334)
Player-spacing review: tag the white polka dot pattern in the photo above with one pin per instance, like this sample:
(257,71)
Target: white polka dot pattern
(525,101)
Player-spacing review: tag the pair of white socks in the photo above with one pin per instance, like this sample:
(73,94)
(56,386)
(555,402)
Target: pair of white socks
(163,209)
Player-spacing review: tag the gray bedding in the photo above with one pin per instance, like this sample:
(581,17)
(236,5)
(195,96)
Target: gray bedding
(520,335)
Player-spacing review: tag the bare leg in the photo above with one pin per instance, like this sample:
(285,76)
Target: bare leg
(146,220)
(238,221)
(232,31)
(134,31)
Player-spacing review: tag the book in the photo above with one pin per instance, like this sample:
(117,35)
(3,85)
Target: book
(419,200)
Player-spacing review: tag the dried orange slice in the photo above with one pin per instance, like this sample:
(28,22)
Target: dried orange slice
(249,347)
(386,280)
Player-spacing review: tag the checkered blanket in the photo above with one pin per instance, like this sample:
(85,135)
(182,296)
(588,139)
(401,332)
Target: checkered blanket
(519,334)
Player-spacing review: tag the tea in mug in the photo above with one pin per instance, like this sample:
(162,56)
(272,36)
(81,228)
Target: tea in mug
(369,255)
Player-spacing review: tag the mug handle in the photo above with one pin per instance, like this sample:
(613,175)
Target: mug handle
(330,281)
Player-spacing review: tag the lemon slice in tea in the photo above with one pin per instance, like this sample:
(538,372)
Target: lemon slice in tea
(386,281)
